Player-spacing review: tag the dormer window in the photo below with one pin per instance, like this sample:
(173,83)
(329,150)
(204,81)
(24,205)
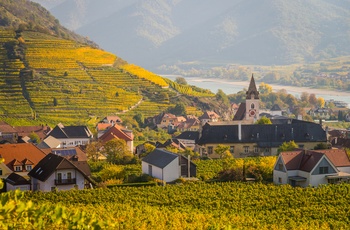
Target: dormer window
(18,168)
(29,167)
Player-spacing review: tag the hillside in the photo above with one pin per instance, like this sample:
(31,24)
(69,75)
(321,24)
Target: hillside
(161,32)
(26,15)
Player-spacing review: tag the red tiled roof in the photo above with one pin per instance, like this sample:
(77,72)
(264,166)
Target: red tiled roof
(20,153)
(6,128)
(337,156)
(103,126)
(307,160)
(40,130)
(115,132)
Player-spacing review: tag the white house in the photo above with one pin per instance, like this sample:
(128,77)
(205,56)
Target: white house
(312,167)
(71,136)
(167,166)
(56,172)
(15,181)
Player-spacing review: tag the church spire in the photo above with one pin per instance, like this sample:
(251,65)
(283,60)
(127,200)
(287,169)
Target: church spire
(252,90)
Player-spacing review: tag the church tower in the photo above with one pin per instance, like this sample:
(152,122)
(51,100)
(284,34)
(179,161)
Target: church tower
(252,101)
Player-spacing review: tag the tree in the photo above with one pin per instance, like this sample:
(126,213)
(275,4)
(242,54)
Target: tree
(179,109)
(34,137)
(189,152)
(287,146)
(265,88)
(263,121)
(322,146)
(55,103)
(221,96)
(116,151)
(223,151)
(312,99)
(304,97)
(139,118)
(93,150)
(320,102)
(148,148)
(181,81)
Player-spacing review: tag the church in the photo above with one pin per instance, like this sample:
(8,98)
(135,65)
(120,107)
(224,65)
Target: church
(249,110)
(245,138)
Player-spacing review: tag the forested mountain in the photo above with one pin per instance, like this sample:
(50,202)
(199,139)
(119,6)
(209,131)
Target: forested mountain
(260,32)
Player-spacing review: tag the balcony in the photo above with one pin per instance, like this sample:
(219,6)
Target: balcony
(65,181)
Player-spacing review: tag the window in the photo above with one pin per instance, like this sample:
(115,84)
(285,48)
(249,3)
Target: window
(280,167)
(232,149)
(246,149)
(28,167)
(18,168)
(59,177)
(150,170)
(256,149)
(69,175)
(252,106)
(210,150)
(0,172)
(267,150)
(323,170)
(280,180)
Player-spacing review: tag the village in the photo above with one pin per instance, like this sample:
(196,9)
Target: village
(40,158)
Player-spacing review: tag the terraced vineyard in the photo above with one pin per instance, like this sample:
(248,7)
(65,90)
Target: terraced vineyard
(11,97)
(59,80)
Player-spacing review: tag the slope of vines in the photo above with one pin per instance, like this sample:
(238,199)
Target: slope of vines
(211,206)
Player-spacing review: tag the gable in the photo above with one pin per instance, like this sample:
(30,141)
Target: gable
(319,169)
(279,165)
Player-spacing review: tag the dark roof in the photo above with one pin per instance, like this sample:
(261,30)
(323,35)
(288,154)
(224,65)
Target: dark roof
(61,131)
(240,114)
(189,135)
(160,158)
(264,135)
(16,179)
(47,166)
(276,107)
(252,89)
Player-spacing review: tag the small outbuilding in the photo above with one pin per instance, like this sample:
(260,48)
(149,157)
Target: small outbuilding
(167,166)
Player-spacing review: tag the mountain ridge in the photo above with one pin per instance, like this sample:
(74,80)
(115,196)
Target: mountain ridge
(260,32)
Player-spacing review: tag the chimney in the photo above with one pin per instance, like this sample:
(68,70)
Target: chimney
(239,131)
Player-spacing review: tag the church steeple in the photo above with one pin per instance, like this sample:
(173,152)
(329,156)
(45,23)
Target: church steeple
(252,91)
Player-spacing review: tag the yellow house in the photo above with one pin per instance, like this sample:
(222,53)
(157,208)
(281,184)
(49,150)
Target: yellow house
(259,140)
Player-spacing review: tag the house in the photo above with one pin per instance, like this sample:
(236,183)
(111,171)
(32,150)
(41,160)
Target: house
(172,143)
(167,166)
(26,131)
(259,140)
(19,159)
(50,143)
(191,123)
(7,133)
(189,139)
(166,120)
(320,113)
(276,110)
(55,172)
(71,135)
(209,116)
(249,110)
(15,181)
(112,120)
(118,132)
(312,167)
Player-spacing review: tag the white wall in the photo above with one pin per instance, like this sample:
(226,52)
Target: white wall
(169,173)
(280,174)
(47,185)
(172,171)
(10,187)
(72,142)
